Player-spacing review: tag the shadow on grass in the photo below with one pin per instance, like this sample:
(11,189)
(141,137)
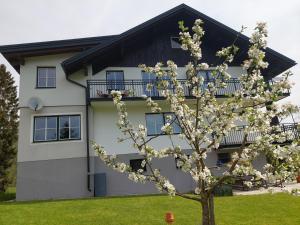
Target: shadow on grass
(9,195)
(76,199)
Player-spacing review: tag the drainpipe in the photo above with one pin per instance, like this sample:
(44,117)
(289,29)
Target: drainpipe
(87,132)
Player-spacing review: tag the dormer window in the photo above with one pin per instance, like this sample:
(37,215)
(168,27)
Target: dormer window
(175,42)
(46,77)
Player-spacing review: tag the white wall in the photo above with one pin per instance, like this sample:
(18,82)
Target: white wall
(29,151)
(65,92)
(105,131)
(68,98)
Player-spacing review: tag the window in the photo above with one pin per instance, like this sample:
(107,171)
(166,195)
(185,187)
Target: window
(55,128)
(175,42)
(207,76)
(115,80)
(136,164)
(46,77)
(154,122)
(149,78)
(69,127)
(223,158)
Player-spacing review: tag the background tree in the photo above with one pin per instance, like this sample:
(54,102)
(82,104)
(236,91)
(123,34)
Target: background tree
(8,125)
(205,121)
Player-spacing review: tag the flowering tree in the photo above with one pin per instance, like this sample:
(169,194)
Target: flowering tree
(205,121)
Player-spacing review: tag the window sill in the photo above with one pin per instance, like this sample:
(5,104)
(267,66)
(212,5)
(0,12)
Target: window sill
(56,141)
(152,135)
(45,87)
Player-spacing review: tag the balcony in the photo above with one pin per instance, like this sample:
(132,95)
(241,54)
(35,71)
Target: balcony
(235,138)
(99,90)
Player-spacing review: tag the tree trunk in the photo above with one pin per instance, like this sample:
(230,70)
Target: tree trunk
(205,212)
(208,213)
(211,209)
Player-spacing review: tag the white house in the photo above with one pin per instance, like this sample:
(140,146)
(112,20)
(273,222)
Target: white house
(70,83)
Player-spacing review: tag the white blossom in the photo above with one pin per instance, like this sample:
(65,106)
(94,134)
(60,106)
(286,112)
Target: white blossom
(206,122)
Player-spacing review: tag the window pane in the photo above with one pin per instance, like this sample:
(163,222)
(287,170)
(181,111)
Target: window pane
(39,135)
(149,78)
(209,75)
(202,74)
(136,164)
(51,122)
(41,82)
(64,121)
(75,133)
(51,72)
(42,72)
(154,122)
(174,122)
(75,121)
(115,80)
(51,134)
(110,75)
(64,133)
(40,122)
(51,82)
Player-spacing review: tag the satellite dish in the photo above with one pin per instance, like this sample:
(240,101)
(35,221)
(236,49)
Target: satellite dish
(35,104)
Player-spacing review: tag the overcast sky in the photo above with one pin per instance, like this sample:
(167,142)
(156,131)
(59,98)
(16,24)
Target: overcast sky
(44,20)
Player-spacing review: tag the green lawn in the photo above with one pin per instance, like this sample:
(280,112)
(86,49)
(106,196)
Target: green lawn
(281,209)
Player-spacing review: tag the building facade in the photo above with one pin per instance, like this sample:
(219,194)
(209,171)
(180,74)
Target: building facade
(70,83)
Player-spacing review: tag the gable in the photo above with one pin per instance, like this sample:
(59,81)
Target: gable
(149,43)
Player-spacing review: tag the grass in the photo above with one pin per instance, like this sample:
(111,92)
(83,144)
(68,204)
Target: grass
(281,209)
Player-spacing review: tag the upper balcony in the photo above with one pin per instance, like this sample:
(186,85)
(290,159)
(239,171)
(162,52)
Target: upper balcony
(99,90)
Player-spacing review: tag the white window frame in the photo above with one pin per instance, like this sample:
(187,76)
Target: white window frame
(47,68)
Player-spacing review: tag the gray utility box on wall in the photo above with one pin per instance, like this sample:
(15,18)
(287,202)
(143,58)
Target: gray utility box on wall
(100,184)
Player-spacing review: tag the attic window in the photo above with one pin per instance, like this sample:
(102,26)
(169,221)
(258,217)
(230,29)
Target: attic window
(175,43)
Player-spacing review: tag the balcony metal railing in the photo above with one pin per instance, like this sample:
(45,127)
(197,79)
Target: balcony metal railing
(134,89)
(100,89)
(236,137)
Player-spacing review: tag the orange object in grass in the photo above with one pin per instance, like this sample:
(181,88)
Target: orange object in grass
(169,217)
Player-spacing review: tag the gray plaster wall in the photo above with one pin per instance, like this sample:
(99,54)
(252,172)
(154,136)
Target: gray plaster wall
(67,178)
(52,179)
(119,184)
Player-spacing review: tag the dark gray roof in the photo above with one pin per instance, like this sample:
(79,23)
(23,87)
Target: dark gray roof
(16,53)
(19,48)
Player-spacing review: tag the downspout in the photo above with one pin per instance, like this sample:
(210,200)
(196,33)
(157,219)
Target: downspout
(87,132)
